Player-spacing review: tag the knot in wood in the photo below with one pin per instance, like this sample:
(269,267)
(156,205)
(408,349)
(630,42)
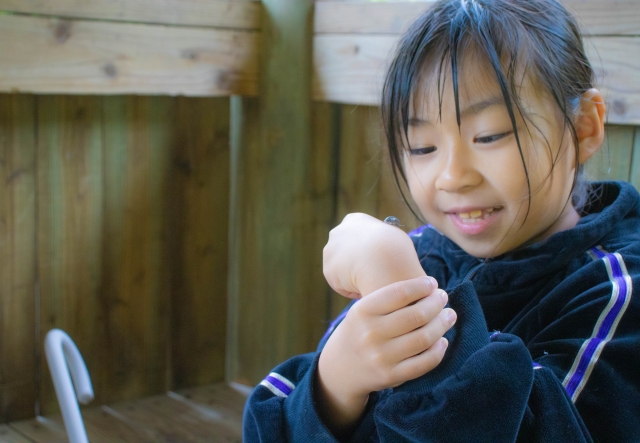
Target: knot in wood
(62,31)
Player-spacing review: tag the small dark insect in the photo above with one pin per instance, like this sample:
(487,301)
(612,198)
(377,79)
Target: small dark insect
(393,221)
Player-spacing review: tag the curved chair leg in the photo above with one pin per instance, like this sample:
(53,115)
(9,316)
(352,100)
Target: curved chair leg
(66,364)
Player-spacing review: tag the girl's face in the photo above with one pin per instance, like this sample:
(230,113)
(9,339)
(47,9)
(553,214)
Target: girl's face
(469,181)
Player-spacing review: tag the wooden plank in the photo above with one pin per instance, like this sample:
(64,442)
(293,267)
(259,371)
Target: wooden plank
(169,420)
(210,413)
(613,160)
(45,55)
(635,163)
(327,137)
(69,157)
(617,76)
(216,13)
(18,342)
(101,422)
(220,397)
(351,68)
(613,17)
(277,216)
(9,435)
(135,288)
(42,430)
(360,161)
(199,222)
(336,17)
(107,429)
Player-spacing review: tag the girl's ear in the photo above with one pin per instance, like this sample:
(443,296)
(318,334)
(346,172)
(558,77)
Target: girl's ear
(590,124)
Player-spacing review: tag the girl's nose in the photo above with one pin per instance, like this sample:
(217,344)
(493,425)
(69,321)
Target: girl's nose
(458,172)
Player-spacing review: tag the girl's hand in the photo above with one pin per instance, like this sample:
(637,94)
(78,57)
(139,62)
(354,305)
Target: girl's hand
(364,254)
(391,336)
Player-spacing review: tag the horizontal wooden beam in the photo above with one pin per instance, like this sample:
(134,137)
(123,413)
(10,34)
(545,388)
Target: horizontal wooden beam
(350,68)
(597,17)
(59,56)
(212,13)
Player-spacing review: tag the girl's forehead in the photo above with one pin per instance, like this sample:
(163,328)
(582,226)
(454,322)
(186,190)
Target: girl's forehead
(434,90)
(477,85)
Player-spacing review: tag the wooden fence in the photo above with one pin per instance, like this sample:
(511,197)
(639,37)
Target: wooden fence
(179,239)
(114,228)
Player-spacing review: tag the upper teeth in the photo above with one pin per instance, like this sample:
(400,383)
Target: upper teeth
(478,213)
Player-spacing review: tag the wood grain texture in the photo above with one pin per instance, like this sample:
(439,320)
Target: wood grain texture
(350,68)
(18,342)
(360,162)
(635,160)
(617,76)
(614,159)
(47,55)
(135,287)
(131,196)
(10,435)
(277,290)
(42,429)
(614,17)
(211,13)
(198,214)
(327,137)
(210,413)
(69,230)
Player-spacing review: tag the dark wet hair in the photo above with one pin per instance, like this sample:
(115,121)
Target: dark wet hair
(539,37)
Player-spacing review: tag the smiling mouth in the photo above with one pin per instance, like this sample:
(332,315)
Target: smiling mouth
(475,216)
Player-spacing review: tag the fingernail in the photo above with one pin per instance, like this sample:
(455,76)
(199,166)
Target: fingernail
(445,297)
(434,283)
(451,316)
(444,343)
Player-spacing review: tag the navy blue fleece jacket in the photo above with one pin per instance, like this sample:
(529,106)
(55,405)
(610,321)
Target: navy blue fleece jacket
(546,347)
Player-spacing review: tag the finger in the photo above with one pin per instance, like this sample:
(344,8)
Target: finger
(418,341)
(415,316)
(398,295)
(349,294)
(420,364)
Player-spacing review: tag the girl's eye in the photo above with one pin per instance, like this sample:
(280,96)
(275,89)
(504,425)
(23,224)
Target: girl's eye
(422,151)
(492,138)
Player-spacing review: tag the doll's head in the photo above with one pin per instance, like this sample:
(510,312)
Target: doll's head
(490,111)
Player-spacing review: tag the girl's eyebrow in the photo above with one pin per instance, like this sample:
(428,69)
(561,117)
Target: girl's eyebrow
(472,109)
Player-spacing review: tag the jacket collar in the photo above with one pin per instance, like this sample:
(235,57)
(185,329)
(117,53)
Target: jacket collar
(612,210)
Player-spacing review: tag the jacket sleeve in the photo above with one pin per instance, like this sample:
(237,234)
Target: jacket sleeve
(282,407)
(492,388)
(499,389)
(483,390)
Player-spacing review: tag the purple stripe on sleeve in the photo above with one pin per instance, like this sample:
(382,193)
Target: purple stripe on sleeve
(286,390)
(582,366)
(607,324)
(598,252)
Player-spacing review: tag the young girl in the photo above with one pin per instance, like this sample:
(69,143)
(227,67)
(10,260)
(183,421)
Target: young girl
(490,113)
